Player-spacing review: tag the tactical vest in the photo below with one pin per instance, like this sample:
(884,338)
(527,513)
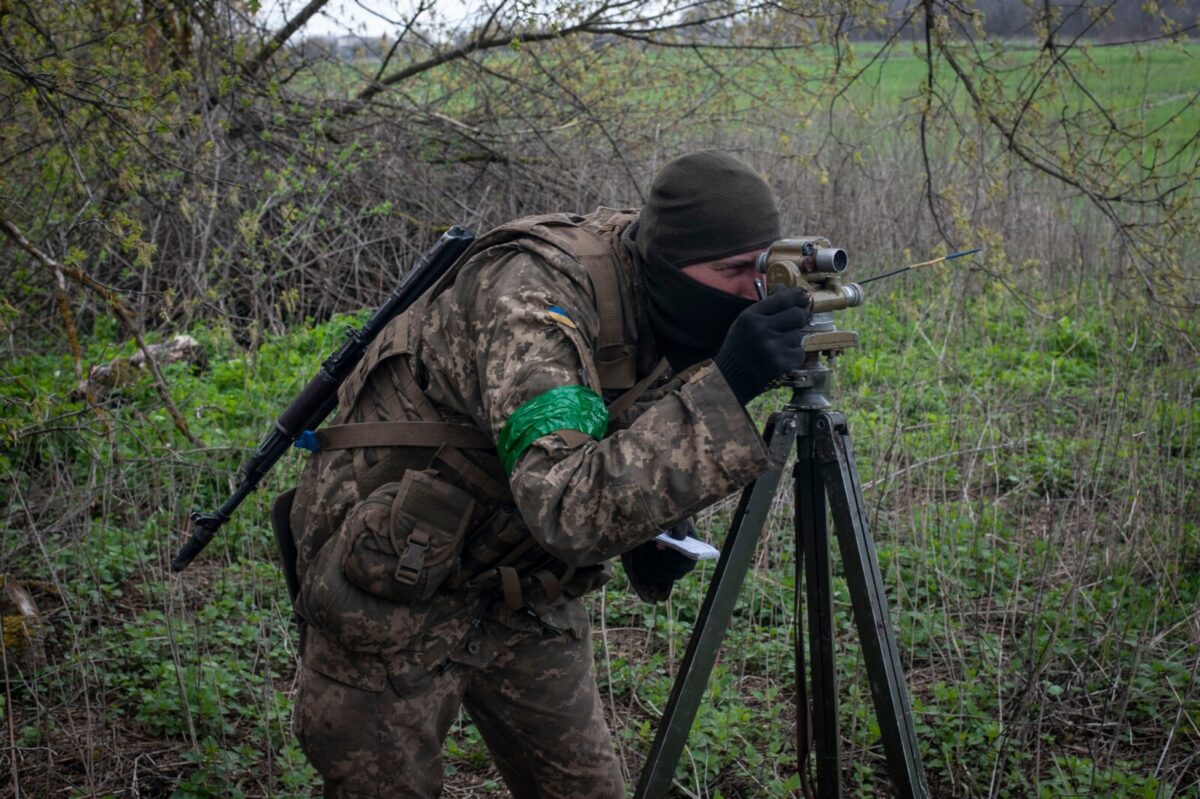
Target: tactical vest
(455,462)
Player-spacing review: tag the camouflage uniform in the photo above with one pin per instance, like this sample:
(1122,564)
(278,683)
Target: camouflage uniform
(382,680)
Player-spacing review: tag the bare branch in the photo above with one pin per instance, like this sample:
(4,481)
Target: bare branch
(256,62)
(118,307)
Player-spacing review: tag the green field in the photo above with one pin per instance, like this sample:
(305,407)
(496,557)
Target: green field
(1147,90)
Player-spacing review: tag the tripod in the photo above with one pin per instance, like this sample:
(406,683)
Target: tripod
(824,467)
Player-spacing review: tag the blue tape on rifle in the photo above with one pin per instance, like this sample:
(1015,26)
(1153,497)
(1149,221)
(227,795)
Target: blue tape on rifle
(307,440)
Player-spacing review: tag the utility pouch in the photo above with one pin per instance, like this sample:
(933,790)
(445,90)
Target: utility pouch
(405,539)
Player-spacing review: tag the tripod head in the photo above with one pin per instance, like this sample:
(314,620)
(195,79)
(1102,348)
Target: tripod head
(815,265)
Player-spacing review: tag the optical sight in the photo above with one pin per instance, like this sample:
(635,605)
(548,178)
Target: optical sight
(812,263)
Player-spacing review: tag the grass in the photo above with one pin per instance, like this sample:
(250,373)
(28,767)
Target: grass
(1033,491)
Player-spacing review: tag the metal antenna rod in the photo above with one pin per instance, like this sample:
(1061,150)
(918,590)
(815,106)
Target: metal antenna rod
(921,265)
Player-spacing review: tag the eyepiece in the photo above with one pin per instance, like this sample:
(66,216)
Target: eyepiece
(800,261)
(831,259)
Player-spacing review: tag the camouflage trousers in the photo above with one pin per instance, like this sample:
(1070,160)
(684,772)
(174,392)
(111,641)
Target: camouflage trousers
(535,703)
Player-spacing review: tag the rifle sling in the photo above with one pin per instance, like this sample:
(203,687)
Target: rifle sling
(402,434)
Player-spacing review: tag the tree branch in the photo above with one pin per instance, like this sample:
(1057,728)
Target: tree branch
(598,23)
(114,302)
(1103,202)
(256,62)
(926,112)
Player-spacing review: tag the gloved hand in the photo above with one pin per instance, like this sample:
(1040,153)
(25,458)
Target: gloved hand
(764,343)
(653,568)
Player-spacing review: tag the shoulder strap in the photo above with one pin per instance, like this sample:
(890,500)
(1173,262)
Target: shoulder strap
(391,341)
(595,253)
(616,358)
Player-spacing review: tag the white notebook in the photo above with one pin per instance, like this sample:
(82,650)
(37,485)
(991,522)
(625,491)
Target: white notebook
(694,548)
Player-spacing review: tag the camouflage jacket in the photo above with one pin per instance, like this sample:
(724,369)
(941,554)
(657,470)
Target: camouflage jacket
(518,320)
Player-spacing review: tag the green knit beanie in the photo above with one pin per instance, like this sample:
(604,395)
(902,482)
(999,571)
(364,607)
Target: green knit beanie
(706,206)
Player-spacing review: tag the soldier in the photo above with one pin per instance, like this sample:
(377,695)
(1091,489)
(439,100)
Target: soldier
(574,386)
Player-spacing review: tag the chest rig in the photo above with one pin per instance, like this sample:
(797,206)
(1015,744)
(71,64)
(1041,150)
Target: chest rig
(498,551)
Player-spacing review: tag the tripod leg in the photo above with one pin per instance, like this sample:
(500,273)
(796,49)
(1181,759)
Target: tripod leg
(834,452)
(812,544)
(736,556)
(804,726)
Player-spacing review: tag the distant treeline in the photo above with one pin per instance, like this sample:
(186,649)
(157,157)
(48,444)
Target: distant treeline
(1114,21)
(1122,20)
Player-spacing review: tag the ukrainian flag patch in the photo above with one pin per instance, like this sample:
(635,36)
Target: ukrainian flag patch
(560,316)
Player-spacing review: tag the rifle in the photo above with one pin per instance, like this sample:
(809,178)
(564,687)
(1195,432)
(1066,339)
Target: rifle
(318,399)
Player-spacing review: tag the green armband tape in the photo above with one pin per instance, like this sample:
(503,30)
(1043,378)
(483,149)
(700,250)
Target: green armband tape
(562,408)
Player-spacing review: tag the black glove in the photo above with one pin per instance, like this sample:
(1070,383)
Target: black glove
(765,342)
(653,568)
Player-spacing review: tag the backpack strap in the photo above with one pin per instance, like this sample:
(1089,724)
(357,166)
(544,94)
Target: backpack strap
(391,341)
(626,400)
(454,467)
(616,357)
(552,585)
(510,586)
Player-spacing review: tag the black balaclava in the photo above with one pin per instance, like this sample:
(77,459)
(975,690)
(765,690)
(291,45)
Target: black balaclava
(703,207)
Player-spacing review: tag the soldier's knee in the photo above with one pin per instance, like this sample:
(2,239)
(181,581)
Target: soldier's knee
(349,736)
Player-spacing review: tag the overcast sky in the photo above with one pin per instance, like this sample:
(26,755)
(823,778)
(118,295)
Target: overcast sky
(362,17)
